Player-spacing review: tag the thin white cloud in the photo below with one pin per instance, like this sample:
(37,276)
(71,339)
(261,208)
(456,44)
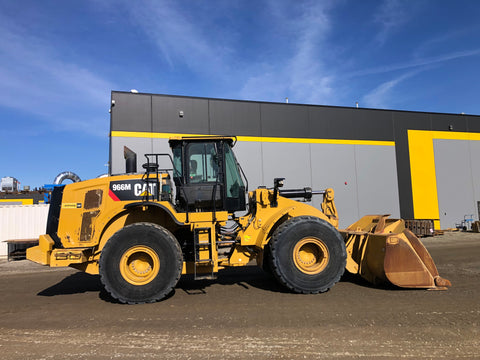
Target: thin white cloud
(301,75)
(53,91)
(184,40)
(309,80)
(391,15)
(419,62)
(381,96)
(267,85)
(210,49)
(444,40)
(180,39)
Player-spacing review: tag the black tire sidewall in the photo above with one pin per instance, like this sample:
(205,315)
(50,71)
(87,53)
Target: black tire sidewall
(282,247)
(157,238)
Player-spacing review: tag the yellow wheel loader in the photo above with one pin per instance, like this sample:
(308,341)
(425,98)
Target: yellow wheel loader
(141,231)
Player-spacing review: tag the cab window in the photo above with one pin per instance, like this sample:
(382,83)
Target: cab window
(201,163)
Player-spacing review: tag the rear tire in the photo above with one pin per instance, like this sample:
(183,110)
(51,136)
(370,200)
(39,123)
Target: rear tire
(141,263)
(307,255)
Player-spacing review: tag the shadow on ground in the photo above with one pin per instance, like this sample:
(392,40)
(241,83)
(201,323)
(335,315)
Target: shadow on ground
(246,277)
(78,283)
(74,284)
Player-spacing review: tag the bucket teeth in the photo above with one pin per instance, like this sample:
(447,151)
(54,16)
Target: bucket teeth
(441,282)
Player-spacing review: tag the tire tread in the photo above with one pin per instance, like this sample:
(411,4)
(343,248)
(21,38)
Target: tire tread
(273,244)
(161,295)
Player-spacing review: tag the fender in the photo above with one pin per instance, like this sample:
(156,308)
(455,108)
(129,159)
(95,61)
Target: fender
(155,204)
(267,219)
(133,213)
(129,214)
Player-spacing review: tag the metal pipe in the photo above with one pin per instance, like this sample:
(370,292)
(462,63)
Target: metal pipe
(66,175)
(305,193)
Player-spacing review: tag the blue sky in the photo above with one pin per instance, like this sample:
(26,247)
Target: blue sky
(59,61)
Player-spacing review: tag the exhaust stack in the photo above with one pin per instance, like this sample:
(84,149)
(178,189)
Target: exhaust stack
(130,160)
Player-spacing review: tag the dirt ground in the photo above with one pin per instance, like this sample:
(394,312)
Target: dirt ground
(63,314)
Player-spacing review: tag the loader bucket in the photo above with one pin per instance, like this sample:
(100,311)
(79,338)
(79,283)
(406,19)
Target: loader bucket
(381,250)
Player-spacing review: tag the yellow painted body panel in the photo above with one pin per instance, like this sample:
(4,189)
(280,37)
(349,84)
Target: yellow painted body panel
(41,253)
(92,211)
(82,249)
(260,226)
(82,245)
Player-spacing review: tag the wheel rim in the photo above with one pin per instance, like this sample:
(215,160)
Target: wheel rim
(139,265)
(311,255)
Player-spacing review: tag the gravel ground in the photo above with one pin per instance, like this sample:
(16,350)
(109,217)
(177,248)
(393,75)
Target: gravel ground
(61,314)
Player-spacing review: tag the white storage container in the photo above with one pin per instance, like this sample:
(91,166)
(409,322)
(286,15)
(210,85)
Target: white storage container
(21,222)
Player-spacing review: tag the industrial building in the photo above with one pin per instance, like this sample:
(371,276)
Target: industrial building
(414,165)
(9,183)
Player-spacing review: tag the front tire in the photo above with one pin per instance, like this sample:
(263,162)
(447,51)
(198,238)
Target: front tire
(141,263)
(307,255)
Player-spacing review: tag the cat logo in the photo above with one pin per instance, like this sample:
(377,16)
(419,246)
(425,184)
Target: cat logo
(143,189)
(132,190)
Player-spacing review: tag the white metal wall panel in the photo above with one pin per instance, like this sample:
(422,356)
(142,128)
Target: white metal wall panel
(21,222)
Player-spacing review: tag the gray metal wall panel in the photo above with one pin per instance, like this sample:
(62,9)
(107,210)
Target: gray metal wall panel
(313,120)
(377,180)
(139,145)
(328,123)
(288,160)
(442,122)
(161,146)
(402,122)
(473,123)
(202,115)
(132,112)
(454,181)
(234,118)
(249,155)
(166,118)
(474,149)
(285,120)
(333,165)
(350,124)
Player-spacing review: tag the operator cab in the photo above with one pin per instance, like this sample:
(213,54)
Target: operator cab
(207,175)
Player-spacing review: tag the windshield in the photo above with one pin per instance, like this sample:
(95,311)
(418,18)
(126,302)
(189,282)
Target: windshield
(234,182)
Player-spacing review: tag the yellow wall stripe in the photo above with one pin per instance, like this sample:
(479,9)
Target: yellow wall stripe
(152,135)
(17,201)
(422,168)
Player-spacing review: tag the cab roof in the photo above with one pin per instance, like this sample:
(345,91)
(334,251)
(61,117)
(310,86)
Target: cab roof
(230,140)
